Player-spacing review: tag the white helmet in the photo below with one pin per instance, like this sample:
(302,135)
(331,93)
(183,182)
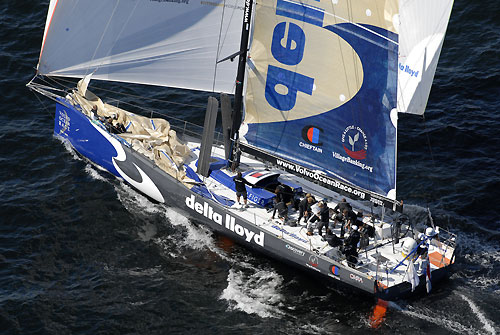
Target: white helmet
(408,246)
(354,227)
(429,232)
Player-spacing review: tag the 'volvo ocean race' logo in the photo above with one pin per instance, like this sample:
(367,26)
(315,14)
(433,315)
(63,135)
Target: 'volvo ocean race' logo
(64,122)
(354,142)
(312,138)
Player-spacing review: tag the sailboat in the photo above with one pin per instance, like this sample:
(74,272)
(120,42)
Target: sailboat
(317,87)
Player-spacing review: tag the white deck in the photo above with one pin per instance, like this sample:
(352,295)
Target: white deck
(296,236)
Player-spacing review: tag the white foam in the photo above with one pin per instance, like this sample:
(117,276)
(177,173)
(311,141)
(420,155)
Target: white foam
(254,293)
(438,319)
(487,326)
(476,250)
(69,148)
(197,237)
(134,201)
(138,272)
(93,173)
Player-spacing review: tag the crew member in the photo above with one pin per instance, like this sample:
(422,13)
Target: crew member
(351,246)
(93,113)
(281,208)
(303,205)
(241,190)
(315,210)
(280,193)
(343,204)
(324,217)
(347,219)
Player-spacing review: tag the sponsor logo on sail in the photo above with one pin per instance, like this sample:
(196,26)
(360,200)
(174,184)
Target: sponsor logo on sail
(407,69)
(311,135)
(312,138)
(227,221)
(353,145)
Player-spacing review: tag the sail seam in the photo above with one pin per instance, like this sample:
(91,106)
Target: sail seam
(218,45)
(363,27)
(117,37)
(102,37)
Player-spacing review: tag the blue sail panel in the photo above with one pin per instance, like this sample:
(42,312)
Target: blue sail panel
(325,97)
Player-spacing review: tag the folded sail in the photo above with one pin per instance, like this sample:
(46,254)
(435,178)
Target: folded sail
(421,35)
(321,87)
(165,43)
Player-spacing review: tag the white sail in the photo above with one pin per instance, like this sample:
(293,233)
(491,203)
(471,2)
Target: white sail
(422,29)
(174,43)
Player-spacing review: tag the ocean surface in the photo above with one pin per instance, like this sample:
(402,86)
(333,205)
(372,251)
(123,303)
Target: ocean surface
(82,253)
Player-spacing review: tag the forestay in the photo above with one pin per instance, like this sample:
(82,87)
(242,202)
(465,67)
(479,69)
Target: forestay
(321,87)
(168,43)
(421,35)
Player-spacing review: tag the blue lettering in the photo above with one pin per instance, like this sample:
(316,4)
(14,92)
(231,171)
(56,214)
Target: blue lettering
(292,50)
(293,81)
(407,69)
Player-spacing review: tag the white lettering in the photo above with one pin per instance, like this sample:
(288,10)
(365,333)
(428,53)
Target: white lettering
(310,147)
(239,230)
(295,250)
(217,218)
(355,277)
(259,239)
(190,202)
(230,222)
(249,234)
(198,207)
(355,162)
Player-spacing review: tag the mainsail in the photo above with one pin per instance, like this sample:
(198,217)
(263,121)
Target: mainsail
(167,43)
(421,35)
(321,88)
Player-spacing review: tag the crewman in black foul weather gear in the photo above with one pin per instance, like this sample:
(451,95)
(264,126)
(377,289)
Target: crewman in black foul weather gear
(303,206)
(343,204)
(281,208)
(239,185)
(351,246)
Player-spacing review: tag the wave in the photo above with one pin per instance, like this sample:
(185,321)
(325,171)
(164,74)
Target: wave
(254,291)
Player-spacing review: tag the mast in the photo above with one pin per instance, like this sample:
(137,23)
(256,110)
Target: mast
(240,78)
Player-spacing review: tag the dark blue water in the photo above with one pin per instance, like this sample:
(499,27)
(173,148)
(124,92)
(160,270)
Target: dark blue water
(82,253)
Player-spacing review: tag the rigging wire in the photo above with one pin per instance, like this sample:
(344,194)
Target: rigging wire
(431,154)
(60,81)
(52,115)
(428,142)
